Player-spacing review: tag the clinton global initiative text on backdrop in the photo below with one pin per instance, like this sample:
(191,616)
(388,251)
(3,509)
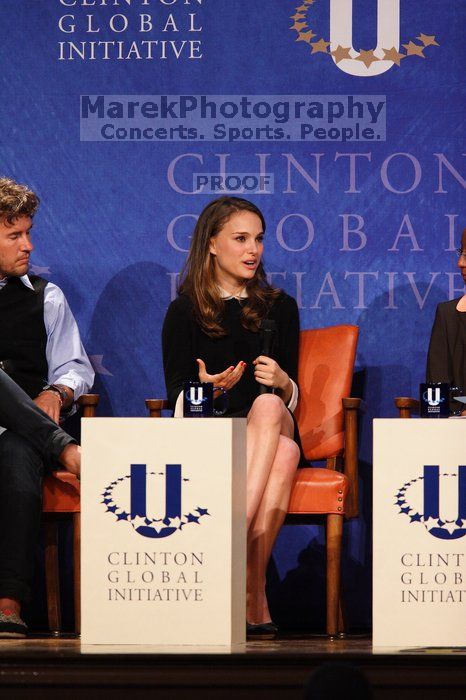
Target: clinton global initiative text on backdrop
(171,30)
(356,177)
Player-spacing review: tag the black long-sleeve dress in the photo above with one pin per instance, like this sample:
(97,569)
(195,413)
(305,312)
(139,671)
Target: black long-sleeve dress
(183,341)
(446,359)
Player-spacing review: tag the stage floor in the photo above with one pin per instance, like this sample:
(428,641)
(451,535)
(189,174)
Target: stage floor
(46,668)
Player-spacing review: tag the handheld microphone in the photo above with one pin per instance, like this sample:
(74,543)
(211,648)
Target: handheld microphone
(268,330)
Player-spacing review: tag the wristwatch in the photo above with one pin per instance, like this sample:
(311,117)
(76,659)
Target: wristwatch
(58,390)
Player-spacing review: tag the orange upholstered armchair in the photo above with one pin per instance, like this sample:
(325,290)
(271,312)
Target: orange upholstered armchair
(61,499)
(327,420)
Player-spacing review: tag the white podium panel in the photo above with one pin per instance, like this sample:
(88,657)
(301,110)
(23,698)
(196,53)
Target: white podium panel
(419,579)
(163,531)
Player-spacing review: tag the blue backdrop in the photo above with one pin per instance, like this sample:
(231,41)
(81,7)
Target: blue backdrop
(359,231)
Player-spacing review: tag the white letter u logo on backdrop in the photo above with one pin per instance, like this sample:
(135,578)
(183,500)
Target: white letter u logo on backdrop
(388,35)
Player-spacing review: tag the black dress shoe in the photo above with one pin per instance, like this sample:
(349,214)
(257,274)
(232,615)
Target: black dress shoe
(263,630)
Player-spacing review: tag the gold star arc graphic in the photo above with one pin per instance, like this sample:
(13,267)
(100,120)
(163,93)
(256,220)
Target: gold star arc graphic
(366,57)
(340,53)
(299,26)
(427,40)
(413,49)
(306,36)
(320,46)
(393,55)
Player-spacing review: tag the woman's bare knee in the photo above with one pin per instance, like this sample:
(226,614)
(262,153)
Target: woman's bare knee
(267,408)
(286,459)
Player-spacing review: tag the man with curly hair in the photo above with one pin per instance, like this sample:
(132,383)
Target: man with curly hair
(41,351)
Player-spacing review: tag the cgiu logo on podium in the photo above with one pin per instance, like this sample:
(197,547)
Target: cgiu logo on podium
(196,395)
(163,528)
(433,500)
(137,499)
(433,396)
(419,593)
(434,400)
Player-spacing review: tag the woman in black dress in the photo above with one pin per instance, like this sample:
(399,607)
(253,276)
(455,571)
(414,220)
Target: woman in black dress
(446,359)
(211,333)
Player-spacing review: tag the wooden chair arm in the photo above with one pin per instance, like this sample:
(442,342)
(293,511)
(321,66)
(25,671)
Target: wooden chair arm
(352,403)
(88,404)
(406,406)
(350,408)
(156,406)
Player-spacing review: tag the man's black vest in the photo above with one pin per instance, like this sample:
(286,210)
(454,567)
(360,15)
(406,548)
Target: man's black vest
(23,337)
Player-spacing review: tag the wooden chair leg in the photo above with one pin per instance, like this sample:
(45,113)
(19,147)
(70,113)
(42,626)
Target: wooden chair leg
(52,579)
(77,570)
(334,532)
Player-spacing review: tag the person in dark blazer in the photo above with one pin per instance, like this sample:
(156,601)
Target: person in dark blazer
(446,359)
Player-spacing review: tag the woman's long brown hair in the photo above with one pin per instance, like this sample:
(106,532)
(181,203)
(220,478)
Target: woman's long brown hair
(198,275)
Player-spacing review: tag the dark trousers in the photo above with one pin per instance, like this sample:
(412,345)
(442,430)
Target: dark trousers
(31,441)
(20,414)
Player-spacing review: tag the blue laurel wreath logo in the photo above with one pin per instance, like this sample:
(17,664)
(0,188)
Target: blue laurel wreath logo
(423,494)
(129,501)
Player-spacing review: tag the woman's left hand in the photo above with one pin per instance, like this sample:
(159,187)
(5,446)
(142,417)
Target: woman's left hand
(269,372)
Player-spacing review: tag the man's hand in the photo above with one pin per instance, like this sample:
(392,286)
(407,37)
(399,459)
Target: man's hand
(226,379)
(269,372)
(71,458)
(50,403)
